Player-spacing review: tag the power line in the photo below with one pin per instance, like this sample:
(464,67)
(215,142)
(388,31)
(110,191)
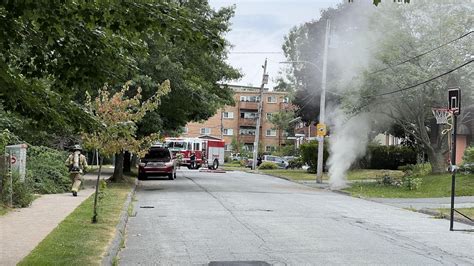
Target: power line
(422,54)
(420,83)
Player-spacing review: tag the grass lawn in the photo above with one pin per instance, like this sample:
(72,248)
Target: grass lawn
(76,241)
(431,187)
(297,174)
(360,174)
(3,209)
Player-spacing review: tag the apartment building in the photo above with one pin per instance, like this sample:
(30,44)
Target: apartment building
(240,121)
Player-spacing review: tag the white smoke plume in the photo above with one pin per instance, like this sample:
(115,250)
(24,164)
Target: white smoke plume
(347,143)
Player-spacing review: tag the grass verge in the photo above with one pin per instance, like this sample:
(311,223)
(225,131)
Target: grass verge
(360,174)
(76,241)
(3,209)
(296,174)
(432,186)
(469,212)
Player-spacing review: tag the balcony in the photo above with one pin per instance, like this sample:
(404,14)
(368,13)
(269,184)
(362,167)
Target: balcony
(248,105)
(248,122)
(246,138)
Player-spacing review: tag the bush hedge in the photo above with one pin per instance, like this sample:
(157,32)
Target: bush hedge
(309,154)
(388,157)
(267,166)
(46,169)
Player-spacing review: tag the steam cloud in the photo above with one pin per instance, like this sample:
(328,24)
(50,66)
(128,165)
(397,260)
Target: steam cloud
(348,143)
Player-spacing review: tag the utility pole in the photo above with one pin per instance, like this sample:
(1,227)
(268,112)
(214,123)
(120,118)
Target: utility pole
(222,123)
(322,105)
(259,117)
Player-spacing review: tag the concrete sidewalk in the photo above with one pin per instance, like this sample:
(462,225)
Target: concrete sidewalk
(22,230)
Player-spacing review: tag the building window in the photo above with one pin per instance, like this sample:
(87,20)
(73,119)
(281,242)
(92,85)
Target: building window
(286,100)
(228,131)
(270,148)
(228,115)
(185,130)
(228,147)
(271,133)
(271,99)
(205,131)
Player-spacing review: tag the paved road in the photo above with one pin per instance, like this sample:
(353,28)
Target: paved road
(204,217)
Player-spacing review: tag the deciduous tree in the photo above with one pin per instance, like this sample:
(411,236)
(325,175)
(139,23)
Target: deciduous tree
(118,116)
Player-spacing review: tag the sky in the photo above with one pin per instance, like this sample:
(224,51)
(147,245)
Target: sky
(260,26)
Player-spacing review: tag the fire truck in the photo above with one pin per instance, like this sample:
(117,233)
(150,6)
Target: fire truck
(207,151)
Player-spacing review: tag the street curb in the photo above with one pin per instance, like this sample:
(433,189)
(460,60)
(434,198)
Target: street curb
(338,191)
(440,215)
(115,245)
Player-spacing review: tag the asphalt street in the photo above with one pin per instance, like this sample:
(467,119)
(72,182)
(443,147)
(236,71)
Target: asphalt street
(219,218)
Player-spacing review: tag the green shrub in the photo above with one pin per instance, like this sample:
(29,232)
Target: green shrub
(388,180)
(296,163)
(46,169)
(468,155)
(467,165)
(22,194)
(309,154)
(287,150)
(388,157)
(416,169)
(412,182)
(268,166)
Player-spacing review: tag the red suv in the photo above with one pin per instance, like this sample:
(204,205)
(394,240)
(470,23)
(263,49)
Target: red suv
(158,161)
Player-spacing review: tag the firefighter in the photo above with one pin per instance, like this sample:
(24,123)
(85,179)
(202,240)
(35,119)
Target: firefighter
(77,164)
(193,160)
(179,158)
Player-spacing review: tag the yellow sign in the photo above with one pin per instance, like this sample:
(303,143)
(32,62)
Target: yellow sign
(321,130)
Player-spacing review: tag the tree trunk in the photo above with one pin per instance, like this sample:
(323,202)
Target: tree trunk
(437,161)
(118,170)
(134,161)
(127,162)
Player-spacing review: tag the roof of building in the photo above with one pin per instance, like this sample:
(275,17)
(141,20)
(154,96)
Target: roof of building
(242,88)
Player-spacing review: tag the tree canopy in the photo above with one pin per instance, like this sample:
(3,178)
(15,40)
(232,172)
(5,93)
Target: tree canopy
(396,61)
(52,54)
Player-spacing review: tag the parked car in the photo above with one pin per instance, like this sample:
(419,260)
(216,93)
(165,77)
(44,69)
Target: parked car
(158,161)
(279,161)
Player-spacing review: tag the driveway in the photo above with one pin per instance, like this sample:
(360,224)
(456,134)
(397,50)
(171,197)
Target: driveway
(217,218)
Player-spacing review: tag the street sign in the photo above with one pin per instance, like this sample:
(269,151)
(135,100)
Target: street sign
(17,155)
(321,130)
